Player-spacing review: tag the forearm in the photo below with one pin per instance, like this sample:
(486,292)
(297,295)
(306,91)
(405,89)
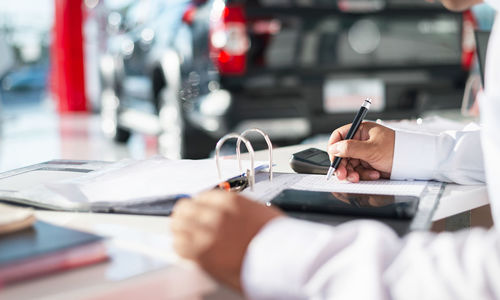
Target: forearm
(291,259)
(454,156)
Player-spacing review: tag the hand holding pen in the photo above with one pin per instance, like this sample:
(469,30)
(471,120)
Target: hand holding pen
(358,119)
(368,154)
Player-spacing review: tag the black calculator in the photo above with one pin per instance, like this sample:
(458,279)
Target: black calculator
(310,161)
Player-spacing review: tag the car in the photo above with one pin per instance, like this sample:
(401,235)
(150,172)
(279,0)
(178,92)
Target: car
(132,68)
(293,68)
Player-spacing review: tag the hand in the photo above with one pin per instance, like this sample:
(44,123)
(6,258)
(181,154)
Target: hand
(368,156)
(214,230)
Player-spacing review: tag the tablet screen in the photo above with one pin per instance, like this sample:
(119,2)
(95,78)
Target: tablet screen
(369,205)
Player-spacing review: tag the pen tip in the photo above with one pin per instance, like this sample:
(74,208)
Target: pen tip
(330,172)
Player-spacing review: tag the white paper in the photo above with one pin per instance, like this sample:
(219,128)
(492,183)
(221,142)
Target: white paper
(26,180)
(381,186)
(265,190)
(148,180)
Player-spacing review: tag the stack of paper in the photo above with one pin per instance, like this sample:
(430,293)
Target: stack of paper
(147,180)
(100,186)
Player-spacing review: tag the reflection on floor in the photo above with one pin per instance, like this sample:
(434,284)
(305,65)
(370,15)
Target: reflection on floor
(35,134)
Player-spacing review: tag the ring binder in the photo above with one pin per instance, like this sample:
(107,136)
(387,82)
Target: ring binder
(240,138)
(269,147)
(251,172)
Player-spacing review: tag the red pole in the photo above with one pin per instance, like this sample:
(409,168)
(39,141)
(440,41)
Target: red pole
(68,84)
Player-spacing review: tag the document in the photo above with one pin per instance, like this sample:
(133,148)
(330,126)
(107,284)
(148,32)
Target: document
(381,186)
(147,180)
(266,190)
(100,186)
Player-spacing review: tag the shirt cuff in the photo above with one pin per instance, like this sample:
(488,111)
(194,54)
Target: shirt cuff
(414,156)
(269,271)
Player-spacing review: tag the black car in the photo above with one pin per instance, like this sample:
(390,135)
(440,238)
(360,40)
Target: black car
(292,68)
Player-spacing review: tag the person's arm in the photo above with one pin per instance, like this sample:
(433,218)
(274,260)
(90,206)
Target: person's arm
(490,115)
(366,260)
(454,156)
(265,255)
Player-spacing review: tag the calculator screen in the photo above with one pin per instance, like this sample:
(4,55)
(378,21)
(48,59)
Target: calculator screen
(318,158)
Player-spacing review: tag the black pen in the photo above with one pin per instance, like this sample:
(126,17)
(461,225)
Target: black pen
(358,119)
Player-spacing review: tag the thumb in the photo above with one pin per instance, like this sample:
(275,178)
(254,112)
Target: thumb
(352,149)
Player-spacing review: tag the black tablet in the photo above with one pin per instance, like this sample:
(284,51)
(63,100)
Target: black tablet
(366,205)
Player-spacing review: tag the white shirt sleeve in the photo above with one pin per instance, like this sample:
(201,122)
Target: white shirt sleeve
(453,156)
(490,117)
(366,260)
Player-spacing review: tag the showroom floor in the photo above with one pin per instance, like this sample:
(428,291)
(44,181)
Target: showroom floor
(34,132)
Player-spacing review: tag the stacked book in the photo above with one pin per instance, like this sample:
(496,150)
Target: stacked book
(30,248)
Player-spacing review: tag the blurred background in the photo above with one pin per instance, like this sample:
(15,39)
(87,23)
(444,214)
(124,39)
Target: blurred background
(109,79)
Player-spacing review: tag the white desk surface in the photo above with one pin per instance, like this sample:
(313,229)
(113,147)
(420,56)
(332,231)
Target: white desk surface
(143,242)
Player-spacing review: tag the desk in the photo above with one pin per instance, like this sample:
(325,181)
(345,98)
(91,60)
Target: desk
(150,237)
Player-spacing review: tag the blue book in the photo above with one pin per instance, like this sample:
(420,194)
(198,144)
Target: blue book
(45,248)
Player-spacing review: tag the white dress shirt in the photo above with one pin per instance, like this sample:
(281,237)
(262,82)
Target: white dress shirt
(294,259)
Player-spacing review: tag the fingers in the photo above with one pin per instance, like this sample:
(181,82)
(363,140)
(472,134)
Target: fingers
(353,149)
(340,133)
(192,225)
(354,170)
(352,175)
(196,214)
(373,144)
(346,170)
(337,136)
(184,208)
(367,173)
(341,171)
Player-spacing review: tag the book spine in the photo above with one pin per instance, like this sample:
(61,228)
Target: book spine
(53,262)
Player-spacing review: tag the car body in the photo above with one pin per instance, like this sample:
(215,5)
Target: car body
(290,68)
